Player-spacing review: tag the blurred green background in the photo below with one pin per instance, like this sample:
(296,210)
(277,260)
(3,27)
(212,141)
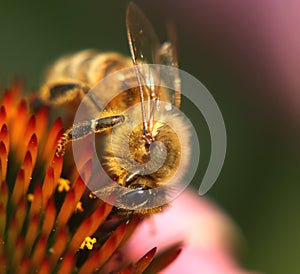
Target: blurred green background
(229,48)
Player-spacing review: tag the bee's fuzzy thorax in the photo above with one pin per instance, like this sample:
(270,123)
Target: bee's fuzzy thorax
(125,147)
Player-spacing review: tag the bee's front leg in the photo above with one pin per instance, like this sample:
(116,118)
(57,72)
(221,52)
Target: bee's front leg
(85,128)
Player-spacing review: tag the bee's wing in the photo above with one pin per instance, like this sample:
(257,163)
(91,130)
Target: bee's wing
(145,48)
(143,41)
(168,57)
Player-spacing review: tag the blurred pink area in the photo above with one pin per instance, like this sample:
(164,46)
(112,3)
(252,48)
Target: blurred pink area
(258,42)
(208,235)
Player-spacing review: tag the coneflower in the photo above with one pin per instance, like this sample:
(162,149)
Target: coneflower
(50,224)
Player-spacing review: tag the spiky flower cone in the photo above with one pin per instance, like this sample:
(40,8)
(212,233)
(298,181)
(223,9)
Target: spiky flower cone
(50,224)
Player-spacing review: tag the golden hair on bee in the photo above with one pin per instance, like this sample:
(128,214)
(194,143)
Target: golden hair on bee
(155,136)
(170,137)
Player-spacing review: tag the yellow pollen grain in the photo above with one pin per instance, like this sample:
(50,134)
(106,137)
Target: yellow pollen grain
(30,197)
(92,196)
(63,185)
(79,207)
(88,242)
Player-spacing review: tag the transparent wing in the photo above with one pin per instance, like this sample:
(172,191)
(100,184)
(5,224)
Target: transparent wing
(143,41)
(144,45)
(145,48)
(171,79)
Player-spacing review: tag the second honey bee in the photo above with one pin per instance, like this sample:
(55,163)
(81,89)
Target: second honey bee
(155,150)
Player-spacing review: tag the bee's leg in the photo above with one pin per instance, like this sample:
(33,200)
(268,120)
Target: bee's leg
(60,93)
(85,128)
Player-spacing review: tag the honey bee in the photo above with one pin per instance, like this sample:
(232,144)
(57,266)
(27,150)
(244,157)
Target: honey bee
(155,151)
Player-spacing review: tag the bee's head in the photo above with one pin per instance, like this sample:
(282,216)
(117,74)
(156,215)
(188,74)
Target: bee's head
(143,163)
